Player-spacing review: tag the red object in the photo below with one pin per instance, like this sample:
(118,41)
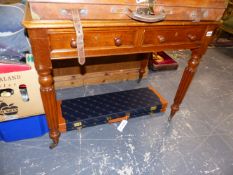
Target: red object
(162,61)
(7,68)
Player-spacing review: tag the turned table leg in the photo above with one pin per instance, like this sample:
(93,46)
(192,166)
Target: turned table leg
(50,104)
(185,81)
(143,66)
(41,52)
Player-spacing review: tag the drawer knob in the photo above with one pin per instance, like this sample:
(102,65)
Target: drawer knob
(192,37)
(161,38)
(118,42)
(73,43)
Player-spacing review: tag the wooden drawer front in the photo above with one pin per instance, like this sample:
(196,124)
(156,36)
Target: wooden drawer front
(153,36)
(95,39)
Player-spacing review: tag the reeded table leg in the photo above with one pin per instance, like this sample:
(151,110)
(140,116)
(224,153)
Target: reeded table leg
(49,101)
(40,48)
(185,81)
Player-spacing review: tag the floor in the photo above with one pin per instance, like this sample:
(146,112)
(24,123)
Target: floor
(198,141)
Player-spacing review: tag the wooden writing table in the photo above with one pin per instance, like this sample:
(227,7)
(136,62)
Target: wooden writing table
(52,40)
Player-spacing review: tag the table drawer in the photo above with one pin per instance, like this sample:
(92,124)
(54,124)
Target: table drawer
(177,35)
(94,40)
(116,41)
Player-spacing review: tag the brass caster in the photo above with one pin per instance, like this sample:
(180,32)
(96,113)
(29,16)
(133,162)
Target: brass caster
(139,80)
(53,145)
(170,118)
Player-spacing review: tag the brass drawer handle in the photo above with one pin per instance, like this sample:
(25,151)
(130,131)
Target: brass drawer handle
(161,38)
(73,43)
(117,41)
(192,37)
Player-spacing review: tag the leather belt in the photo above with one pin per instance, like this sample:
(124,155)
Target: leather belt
(79,36)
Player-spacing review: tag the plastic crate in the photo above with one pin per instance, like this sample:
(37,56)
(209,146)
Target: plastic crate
(24,128)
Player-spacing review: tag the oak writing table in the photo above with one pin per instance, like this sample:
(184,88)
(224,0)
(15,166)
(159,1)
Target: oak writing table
(55,39)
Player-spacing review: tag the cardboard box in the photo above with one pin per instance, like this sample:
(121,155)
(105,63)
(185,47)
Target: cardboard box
(20,94)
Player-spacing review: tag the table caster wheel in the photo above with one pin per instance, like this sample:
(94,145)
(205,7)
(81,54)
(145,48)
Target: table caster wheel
(52,145)
(139,80)
(170,118)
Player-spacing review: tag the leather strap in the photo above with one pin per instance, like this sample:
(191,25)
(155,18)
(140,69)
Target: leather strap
(79,36)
